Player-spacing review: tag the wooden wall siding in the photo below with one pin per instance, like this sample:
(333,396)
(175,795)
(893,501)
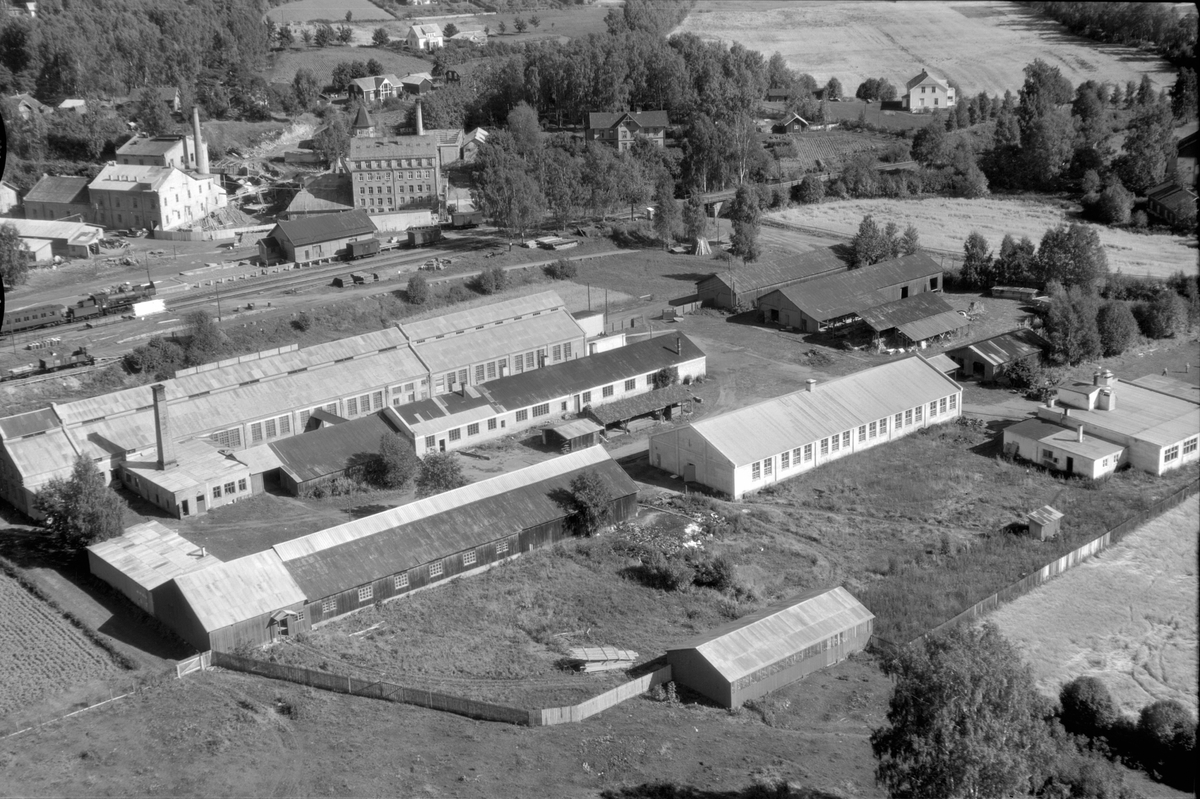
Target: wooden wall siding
(486,555)
(575,713)
(779,675)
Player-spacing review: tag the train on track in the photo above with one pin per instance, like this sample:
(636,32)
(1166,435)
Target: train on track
(53,362)
(103,303)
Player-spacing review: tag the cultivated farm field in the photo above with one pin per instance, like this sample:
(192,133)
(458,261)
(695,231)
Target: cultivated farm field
(42,652)
(982,45)
(333,10)
(1127,616)
(831,148)
(945,223)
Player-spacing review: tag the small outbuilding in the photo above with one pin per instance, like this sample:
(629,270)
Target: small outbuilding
(143,559)
(988,359)
(773,648)
(572,435)
(1044,523)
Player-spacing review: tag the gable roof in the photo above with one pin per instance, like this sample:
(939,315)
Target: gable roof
(333,560)
(478,135)
(329,192)
(926,78)
(53,189)
(1172,195)
(426,31)
(767,428)
(331,449)
(780,631)
(491,313)
(794,117)
(417,78)
(644,119)
(844,293)
(31,101)
(778,270)
(227,593)
(313,229)
(1005,347)
(1064,438)
(919,317)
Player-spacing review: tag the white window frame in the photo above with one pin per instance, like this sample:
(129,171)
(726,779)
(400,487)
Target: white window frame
(469,558)
(436,569)
(400,581)
(366,593)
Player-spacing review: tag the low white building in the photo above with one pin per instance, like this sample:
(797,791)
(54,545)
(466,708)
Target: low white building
(747,449)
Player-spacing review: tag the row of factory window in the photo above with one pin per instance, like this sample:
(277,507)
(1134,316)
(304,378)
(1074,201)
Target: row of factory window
(394,175)
(400,582)
(394,163)
(1189,446)
(491,370)
(417,188)
(229,489)
(795,458)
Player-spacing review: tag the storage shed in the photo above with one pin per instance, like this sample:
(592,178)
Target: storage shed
(1044,523)
(572,435)
(987,359)
(773,648)
(144,558)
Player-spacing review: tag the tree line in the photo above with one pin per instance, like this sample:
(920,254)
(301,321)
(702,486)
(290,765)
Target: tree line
(1154,26)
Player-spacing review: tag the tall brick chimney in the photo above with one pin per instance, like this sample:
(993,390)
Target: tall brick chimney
(201,147)
(420,120)
(162,428)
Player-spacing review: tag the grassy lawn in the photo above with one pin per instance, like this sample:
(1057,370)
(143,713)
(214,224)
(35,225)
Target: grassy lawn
(321,61)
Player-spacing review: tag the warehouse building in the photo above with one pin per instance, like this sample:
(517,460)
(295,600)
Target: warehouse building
(64,239)
(54,197)
(315,237)
(1155,421)
(770,649)
(740,289)
(521,401)
(837,299)
(747,449)
(143,559)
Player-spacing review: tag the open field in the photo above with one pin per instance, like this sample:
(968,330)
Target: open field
(42,652)
(945,223)
(322,60)
(831,148)
(1127,616)
(333,10)
(982,45)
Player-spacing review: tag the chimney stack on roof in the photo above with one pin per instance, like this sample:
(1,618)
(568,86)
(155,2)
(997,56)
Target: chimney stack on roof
(1107,401)
(162,428)
(809,384)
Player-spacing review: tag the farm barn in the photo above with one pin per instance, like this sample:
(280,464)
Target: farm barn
(747,449)
(987,359)
(251,601)
(449,535)
(145,558)
(772,648)
(739,289)
(831,300)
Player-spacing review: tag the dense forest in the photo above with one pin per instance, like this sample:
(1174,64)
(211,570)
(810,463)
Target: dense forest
(1154,26)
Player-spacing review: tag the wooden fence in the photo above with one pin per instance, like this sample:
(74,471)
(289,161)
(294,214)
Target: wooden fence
(471,708)
(1053,568)
(197,663)
(208,235)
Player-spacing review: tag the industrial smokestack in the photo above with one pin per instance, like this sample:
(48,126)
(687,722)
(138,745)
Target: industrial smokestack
(162,428)
(201,147)
(809,384)
(420,120)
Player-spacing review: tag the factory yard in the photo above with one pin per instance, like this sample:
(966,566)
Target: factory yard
(1128,616)
(982,45)
(945,223)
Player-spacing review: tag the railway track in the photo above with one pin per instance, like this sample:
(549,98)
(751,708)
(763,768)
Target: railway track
(100,363)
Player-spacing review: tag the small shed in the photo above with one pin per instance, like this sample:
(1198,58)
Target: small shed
(1044,523)
(572,435)
(143,558)
(772,648)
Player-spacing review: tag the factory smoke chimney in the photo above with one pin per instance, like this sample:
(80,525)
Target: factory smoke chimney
(162,428)
(420,120)
(201,147)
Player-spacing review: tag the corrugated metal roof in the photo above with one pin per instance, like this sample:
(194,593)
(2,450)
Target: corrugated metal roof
(24,424)
(936,325)
(779,270)
(488,314)
(151,554)
(227,593)
(325,227)
(197,464)
(901,312)
(780,631)
(522,335)
(576,428)
(943,363)
(67,231)
(1141,413)
(52,189)
(1006,347)
(845,293)
(1064,438)
(440,503)
(331,449)
(259,459)
(426,531)
(39,458)
(1171,386)
(639,404)
(766,428)
(1045,515)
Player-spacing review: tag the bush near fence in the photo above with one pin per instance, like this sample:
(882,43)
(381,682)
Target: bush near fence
(434,700)
(1049,570)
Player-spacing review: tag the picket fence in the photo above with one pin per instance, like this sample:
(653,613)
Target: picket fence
(434,700)
(1051,569)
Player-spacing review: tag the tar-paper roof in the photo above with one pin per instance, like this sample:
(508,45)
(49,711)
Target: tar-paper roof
(38,458)
(376,147)
(943,363)
(151,554)
(24,424)
(197,464)
(53,189)
(488,314)
(639,404)
(152,146)
(643,119)
(132,177)
(779,270)
(802,417)
(576,428)
(1005,347)
(1063,438)
(80,232)
(1143,414)
(778,632)
(326,227)
(919,317)
(331,449)
(227,593)
(844,293)
(1045,515)
(1172,386)
(334,560)
(455,351)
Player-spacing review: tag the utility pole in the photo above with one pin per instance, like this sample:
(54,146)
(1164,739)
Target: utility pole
(218,285)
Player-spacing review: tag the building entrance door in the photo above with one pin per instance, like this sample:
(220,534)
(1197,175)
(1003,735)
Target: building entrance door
(1070,465)
(184,507)
(442,445)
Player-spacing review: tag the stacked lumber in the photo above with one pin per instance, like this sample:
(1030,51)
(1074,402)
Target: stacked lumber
(601,658)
